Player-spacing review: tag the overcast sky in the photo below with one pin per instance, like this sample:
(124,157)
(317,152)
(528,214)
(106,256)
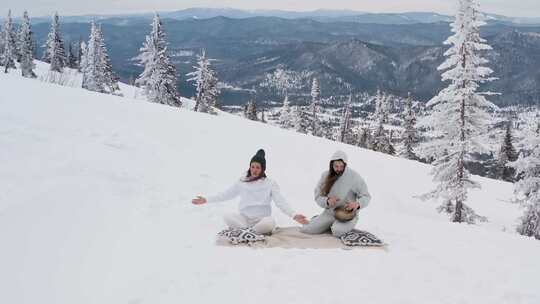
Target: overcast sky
(517,8)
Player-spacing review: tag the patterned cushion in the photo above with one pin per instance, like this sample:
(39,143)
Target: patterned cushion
(242,235)
(360,238)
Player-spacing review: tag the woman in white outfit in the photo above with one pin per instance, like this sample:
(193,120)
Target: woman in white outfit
(256,193)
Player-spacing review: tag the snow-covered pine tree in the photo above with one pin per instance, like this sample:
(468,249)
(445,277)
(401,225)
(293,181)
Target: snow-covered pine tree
(410,135)
(213,91)
(109,77)
(460,112)
(300,120)
(159,76)
(282,80)
(1,44)
(9,44)
(315,127)
(507,153)
(263,116)
(245,108)
(92,69)
(286,118)
(83,49)
(72,58)
(389,146)
(98,75)
(55,53)
(528,187)
(380,141)
(26,48)
(80,54)
(328,129)
(346,124)
(315,91)
(205,81)
(198,77)
(382,107)
(251,111)
(364,139)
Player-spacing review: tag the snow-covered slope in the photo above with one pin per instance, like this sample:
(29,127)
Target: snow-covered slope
(73,78)
(95,208)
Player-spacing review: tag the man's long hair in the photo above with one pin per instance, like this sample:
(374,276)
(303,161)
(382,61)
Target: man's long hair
(331,178)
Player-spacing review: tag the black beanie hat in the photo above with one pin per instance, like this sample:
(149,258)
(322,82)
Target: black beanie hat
(259,158)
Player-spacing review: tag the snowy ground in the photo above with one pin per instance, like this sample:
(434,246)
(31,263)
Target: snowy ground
(73,78)
(95,208)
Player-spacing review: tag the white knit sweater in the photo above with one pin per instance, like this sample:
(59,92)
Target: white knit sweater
(255,198)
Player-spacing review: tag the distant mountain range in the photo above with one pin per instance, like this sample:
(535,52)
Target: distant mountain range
(318,15)
(346,55)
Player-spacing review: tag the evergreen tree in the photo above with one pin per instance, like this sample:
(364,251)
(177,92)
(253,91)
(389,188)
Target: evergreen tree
(409,136)
(389,147)
(97,70)
(55,54)
(507,153)
(286,118)
(91,69)
(80,54)
(315,125)
(72,58)
(282,80)
(300,121)
(364,139)
(380,141)
(251,111)
(315,91)
(460,112)
(263,116)
(205,81)
(26,48)
(382,107)
(9,45)
(328,129)
(528,188)
(345,128)
(83,62)
(110,79)
(1,44)
(159,76)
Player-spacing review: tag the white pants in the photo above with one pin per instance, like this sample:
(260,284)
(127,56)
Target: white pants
(263,225)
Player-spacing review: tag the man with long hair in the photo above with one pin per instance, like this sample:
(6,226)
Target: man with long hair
(340,190)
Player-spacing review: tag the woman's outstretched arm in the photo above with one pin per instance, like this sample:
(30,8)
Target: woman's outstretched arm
(226,195)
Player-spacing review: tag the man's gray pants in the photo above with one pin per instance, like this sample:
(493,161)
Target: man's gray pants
(326,221)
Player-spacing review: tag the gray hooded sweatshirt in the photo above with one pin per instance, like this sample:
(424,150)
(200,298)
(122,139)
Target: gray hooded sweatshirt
(350,186)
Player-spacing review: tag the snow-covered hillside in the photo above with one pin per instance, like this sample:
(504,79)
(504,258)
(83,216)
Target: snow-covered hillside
(73,78)
(95,208)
